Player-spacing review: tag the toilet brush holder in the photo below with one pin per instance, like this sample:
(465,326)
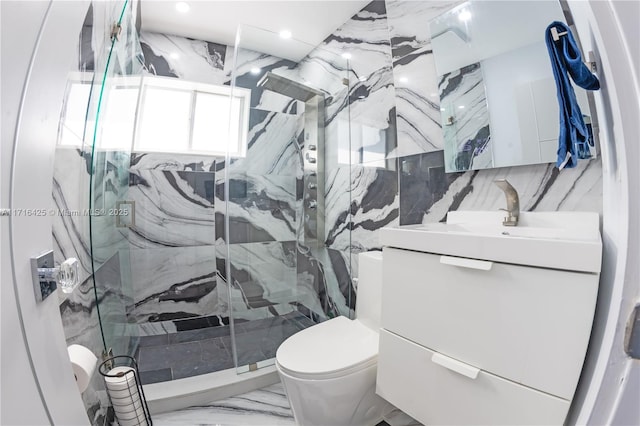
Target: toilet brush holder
(125,391)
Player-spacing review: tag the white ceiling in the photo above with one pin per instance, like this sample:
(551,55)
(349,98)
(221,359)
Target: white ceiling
(217,21)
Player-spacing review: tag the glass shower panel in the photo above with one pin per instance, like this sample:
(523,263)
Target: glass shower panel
(283,274)
(109,134)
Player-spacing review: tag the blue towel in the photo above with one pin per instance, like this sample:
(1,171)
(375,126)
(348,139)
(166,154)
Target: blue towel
(566,58)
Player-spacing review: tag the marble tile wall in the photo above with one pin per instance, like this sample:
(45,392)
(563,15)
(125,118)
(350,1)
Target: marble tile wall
(408,184)
(82,325)
(71,224)
(264,204)
(387,168)
(541,187)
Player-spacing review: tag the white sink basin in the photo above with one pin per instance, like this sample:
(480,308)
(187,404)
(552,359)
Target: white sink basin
(559,240)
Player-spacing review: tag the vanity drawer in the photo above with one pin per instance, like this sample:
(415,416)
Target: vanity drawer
(444,393)
(529,325)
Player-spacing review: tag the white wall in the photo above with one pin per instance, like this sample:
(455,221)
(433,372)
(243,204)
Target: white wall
(610,29)
(34,67)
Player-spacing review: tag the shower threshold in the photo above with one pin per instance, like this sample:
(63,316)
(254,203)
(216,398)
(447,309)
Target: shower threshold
(175,356)
(206,388)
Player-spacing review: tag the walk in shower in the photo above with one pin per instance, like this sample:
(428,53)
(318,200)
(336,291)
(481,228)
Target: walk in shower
(213,176)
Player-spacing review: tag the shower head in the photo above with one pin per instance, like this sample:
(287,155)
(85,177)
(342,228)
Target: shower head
(287,87)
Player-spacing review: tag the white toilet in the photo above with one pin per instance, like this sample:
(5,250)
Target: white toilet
(329,370)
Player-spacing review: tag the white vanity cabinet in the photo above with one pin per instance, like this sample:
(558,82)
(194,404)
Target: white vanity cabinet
(471,341)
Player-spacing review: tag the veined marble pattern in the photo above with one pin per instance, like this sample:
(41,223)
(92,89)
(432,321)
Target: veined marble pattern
(409,23)
(263,407)
(70,195)
(274,145)
(373,203)
(172,208)
(371,96)
(540,187)
(110,185)
(262,274)
(324,283)
(417,103)
(372,113)
(268,406)
(173,283)
(193,60)
(465,120)
(366,37)
(178,162)
(415,76)
(423,182)
(81,326)
(260,208)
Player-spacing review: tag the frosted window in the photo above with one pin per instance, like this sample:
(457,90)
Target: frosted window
(211,121)
(164,120)
(211,131)
(119,118)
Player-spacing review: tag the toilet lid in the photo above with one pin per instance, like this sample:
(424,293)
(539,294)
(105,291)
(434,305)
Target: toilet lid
(337,345)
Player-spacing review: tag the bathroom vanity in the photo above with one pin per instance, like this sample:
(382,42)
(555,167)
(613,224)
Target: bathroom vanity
(485,324)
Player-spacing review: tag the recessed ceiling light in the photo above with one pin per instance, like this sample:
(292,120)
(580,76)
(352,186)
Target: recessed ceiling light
(363,78)
(464,16)
(182,7)
(255,70)
(403,80)
(461,107)
(174,55)
(442,109)
(346,55)
(285,34)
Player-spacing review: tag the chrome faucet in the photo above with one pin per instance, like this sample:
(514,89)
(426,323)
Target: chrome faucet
(513,202)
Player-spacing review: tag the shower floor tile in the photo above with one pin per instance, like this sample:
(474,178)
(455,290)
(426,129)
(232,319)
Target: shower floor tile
(154,376)
(194,352)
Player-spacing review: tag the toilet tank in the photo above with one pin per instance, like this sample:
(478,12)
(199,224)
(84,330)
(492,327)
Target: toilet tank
(369,291)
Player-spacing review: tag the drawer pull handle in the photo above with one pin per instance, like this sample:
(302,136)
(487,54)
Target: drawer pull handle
(466,263)
(455,365)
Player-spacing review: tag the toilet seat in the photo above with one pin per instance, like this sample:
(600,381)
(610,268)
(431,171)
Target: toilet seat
(334,348)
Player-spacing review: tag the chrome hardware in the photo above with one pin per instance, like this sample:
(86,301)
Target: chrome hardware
(125,213)
(513,202)
(312,185)
(310,159)
(46,276)
(556,35)
(312,147)
(116,30)
(312,204)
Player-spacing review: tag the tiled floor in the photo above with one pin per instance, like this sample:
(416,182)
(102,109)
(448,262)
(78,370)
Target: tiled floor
(205,350)
(264,407)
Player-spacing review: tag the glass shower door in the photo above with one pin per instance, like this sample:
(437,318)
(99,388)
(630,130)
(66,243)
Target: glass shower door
(281,272)
(109,134)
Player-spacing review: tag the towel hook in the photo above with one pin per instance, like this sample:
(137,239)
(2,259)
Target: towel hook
(556,35)
(591,61)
